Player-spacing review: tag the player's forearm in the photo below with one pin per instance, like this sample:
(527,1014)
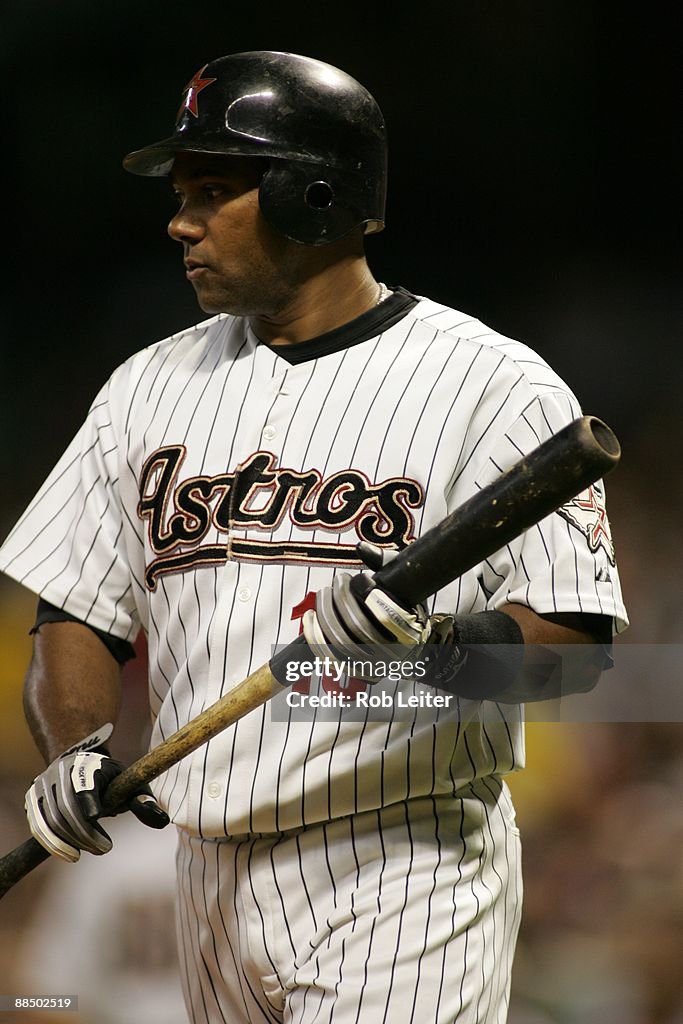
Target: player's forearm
(562,654)
(562,628)
(72,687)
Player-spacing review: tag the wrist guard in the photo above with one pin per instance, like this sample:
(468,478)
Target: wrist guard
(480,659)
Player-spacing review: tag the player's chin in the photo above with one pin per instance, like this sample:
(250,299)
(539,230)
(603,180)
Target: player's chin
(209,306)
(214,299)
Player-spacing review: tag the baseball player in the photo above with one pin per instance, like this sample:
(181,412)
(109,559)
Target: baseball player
(331,866)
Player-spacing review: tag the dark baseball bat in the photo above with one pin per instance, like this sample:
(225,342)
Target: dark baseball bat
(532,489)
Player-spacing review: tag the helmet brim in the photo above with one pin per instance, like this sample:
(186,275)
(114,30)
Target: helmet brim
(156,160)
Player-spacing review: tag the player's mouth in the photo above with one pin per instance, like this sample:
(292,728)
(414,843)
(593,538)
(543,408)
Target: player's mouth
(194,269)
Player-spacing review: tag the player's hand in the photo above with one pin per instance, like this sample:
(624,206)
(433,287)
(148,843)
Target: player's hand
(64,802)
(354,611)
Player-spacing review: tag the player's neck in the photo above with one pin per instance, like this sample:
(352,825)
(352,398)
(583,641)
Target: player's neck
(329,299)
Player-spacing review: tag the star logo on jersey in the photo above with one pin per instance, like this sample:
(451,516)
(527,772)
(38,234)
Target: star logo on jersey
(588,514)
(192,91)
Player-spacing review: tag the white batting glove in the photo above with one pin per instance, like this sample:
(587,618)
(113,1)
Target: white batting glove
(64,802)
(344,618)
(354,611)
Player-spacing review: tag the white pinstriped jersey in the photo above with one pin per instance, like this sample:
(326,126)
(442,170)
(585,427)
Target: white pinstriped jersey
(217,482)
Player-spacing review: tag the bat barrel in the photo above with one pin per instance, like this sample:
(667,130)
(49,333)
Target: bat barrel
(604,439)
(537,485)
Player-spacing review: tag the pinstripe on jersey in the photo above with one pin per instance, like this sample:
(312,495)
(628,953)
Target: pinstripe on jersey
(380,436)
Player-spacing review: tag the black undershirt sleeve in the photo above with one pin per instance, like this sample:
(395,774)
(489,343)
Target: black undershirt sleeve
(119,649)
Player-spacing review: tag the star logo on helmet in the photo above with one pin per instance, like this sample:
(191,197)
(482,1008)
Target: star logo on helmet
(192,91)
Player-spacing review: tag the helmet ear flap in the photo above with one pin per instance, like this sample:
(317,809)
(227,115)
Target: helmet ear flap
(307,203)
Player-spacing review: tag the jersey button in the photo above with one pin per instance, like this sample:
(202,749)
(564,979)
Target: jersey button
(269,433)
(214,789)
(244,593)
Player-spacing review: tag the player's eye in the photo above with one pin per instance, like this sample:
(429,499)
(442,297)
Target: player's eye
(213,190)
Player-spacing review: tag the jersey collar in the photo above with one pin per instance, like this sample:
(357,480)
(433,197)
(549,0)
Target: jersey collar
(368,325)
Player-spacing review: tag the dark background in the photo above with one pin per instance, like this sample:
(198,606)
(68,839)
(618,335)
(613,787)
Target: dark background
(532,183)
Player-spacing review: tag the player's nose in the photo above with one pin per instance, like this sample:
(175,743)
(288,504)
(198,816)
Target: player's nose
(183,227)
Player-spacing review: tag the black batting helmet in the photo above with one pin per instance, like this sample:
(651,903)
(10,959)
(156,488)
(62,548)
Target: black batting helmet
(322,131)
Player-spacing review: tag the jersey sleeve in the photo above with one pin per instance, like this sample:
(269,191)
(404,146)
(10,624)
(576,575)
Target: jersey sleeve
(69,544)
(566,563)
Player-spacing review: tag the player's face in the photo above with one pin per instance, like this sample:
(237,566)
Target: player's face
(234,260)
